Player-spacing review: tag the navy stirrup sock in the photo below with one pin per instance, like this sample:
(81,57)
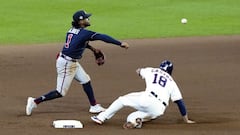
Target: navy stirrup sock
(49,96)
(87,87)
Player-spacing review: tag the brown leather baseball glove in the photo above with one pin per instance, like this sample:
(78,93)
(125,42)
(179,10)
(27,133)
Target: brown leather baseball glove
(99,57)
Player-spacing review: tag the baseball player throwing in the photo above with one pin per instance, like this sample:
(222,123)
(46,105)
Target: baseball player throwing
(151,103)
(68,67)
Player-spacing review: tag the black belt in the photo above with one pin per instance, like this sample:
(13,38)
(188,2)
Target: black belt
(68,58)
(155,95)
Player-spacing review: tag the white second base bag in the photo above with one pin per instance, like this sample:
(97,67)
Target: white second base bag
(67,124)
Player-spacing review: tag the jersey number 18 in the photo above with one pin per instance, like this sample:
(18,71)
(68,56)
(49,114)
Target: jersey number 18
(160,80)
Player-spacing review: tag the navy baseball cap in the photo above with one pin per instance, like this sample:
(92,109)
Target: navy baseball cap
(80,15)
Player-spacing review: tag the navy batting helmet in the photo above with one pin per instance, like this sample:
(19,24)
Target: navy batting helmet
(166,66)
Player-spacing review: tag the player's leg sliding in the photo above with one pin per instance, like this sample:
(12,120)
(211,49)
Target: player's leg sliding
(94,108)
(96,120)
(108,113)
(33,102)
(113,109)
(132,122)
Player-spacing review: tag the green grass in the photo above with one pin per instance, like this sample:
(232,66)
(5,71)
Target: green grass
(45,21)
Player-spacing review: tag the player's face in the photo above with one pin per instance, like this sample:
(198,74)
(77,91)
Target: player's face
(85,22)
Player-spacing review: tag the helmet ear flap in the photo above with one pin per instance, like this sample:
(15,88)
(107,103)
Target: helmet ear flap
(169,70)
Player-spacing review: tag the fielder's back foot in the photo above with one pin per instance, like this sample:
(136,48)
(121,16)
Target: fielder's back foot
(30,105)
(96,109)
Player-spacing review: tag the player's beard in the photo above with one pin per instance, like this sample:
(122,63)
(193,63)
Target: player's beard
(87,24)
(84,23)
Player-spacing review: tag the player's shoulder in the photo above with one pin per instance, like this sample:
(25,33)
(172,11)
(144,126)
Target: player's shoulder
(87,30)
(153,69)
(160,72)
(147,68)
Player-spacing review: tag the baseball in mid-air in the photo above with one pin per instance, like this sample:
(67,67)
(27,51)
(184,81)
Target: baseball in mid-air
(183,20)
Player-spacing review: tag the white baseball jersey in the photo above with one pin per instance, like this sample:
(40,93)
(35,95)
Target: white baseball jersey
(151,103)
(160,84)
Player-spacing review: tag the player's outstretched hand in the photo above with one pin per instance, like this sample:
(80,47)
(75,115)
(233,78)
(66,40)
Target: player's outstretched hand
(125,45)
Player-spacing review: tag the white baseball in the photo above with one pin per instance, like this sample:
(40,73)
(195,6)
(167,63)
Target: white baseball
(184,21)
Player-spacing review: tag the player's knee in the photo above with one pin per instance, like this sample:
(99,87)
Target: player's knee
(85,80)
(121,98)
(124,100)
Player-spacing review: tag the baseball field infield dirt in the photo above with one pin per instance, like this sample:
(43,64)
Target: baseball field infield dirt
(206,70)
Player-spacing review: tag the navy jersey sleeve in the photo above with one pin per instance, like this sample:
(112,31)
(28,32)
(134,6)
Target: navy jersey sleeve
(105,38)
(181,107)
